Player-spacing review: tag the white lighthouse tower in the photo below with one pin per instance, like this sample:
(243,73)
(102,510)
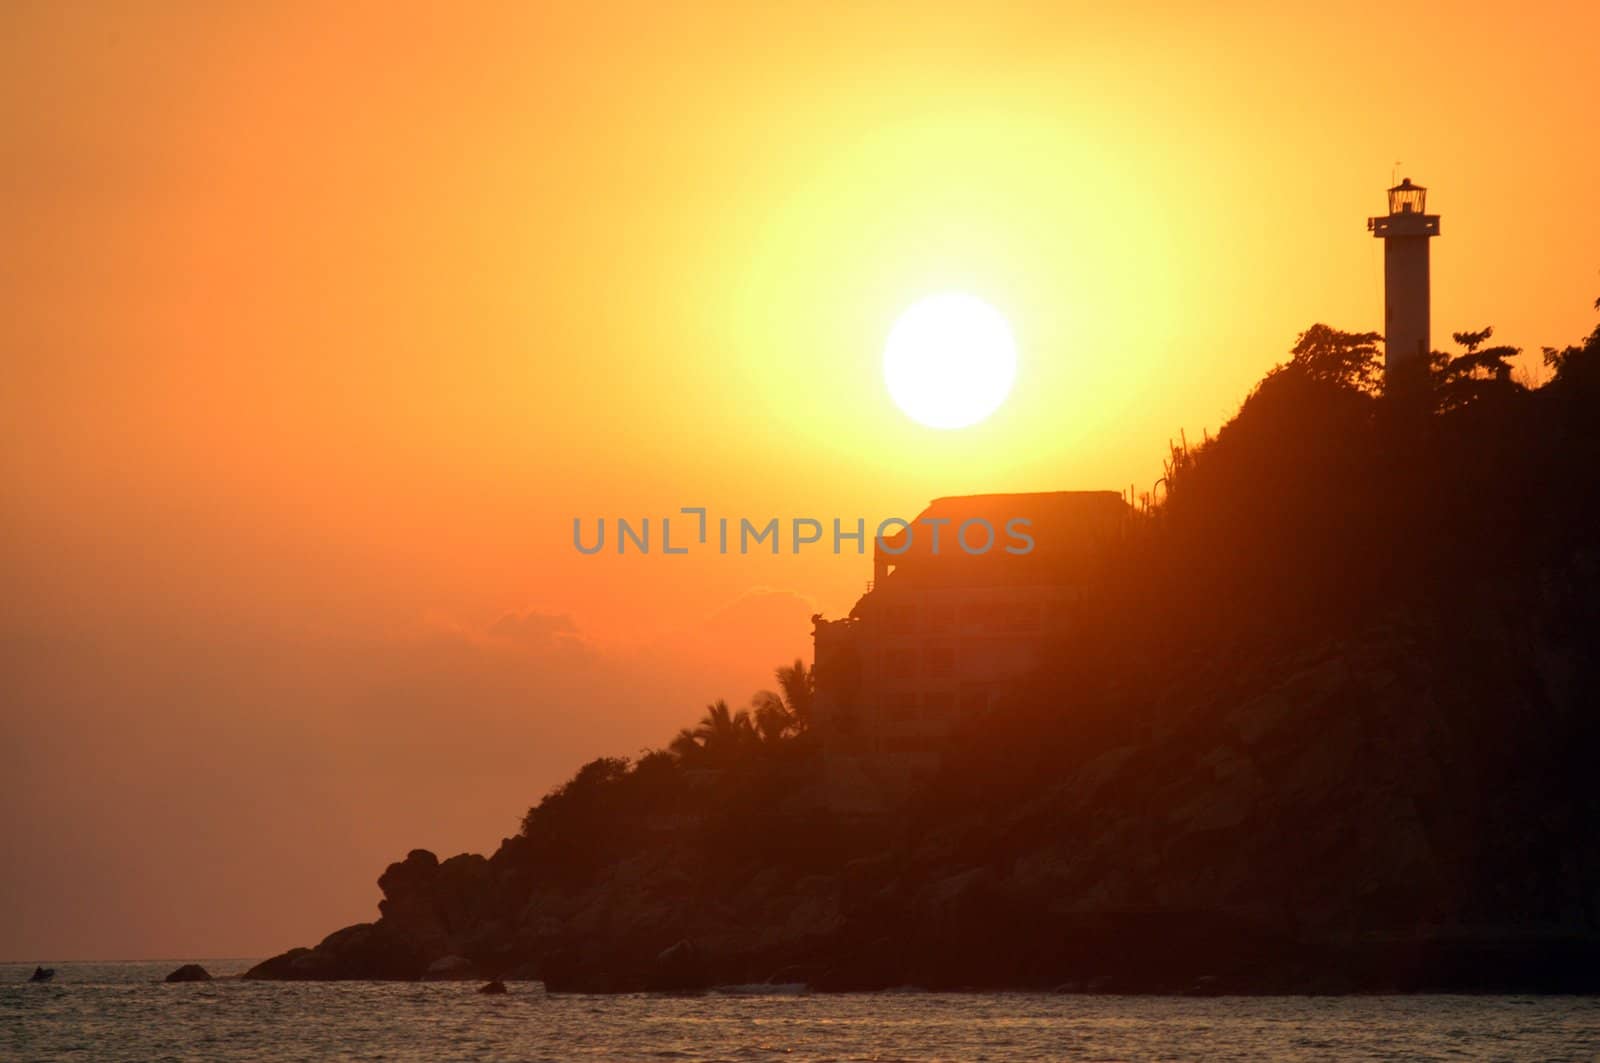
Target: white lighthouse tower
(1405,232)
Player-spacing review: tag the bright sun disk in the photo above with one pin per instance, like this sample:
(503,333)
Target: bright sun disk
(950,360)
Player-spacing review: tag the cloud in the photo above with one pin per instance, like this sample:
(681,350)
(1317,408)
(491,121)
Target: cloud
(763,608)
(532,630)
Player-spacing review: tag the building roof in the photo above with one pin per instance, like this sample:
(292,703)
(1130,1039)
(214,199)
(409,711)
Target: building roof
(1038,537)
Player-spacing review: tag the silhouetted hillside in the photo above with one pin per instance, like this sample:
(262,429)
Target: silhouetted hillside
(1326,720)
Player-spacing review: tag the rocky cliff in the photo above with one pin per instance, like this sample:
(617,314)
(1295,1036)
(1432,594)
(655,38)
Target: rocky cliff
(1327,721)
(1403,808)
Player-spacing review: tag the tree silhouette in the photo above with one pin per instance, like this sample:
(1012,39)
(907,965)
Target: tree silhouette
(1478,373)
(779,715)
(1333,356)
(719,735)
(1560,358)
(562,821)
(684,745)
(773,720)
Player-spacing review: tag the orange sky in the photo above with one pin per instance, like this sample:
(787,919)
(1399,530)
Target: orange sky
(321,327)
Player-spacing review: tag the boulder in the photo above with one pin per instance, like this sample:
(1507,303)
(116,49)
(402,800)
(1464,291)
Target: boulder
(411,903)
(678,968)
(570,970)
(296,964)
(190,972)
(447,968)
(374,951)
(966,894)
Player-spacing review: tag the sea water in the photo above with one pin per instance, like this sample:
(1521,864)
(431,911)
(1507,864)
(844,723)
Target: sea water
(123,1011)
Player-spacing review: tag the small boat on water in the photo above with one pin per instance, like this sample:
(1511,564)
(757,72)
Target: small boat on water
(43,974)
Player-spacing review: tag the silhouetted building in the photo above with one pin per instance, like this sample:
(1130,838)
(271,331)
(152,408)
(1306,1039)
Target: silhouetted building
(943,630)
(1405,232)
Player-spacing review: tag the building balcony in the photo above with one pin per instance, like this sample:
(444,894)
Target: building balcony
(1404,225)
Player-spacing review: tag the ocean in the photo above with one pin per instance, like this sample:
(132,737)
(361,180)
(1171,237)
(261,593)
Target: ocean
(123,1011)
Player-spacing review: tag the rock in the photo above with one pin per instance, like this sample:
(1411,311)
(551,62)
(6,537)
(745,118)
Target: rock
(1102,769)
(294,965)
(863,966)
(447,968)
(190,972)
(418,862)
(527,971)
(677,968)
(493,988)
(374,951)
(962,895)
(575,970)
(1316,686)
(1259,717)
(410,902)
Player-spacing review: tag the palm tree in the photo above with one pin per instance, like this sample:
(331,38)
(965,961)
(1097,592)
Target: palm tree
(684,744)
(720,732)
(799,686)
(772,716)
(778,715)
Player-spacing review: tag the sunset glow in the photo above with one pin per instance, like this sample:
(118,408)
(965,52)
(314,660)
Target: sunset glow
(323,323)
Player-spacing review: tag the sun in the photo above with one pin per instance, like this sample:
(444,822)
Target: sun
(950,360)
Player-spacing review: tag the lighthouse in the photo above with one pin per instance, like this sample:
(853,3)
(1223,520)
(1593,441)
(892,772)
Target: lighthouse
(1405,232)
